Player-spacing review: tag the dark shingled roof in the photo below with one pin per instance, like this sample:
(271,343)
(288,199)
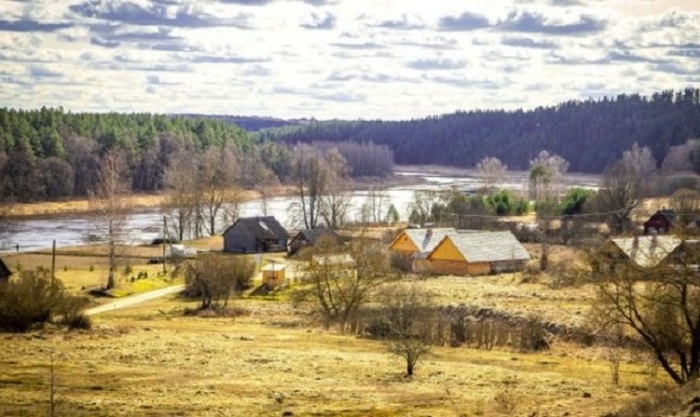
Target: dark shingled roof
(312,235)
(265,228)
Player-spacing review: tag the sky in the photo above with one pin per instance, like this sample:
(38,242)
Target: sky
(347,59)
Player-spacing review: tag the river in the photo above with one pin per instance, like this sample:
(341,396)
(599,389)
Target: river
(145,225)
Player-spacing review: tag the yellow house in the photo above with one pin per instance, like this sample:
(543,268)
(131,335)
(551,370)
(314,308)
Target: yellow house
(477,253)
(414,245)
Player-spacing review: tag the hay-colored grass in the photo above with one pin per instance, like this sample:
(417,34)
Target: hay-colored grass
(150,361)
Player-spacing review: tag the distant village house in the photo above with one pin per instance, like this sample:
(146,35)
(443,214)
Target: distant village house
(460,252)
(478,253)
(659,223)
(255,235)
(308,238)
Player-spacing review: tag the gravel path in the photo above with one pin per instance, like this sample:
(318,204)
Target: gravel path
(133,300)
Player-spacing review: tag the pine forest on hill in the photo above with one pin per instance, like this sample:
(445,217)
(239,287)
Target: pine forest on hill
(49,154)
(589,134)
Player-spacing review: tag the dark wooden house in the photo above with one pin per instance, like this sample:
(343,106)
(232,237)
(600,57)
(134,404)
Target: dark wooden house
(4,271)
(255,235)
(308,238)
(659,223)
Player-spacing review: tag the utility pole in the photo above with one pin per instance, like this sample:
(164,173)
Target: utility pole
(53,263)
(165,239)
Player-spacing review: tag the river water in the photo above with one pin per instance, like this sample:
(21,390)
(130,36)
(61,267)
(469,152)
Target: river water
(145,225)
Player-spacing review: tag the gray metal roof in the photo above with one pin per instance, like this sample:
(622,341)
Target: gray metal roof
(648,251)
(427,239)
(498,246)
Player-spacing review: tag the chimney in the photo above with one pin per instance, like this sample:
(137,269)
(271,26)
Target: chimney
(428,234)
(635,242)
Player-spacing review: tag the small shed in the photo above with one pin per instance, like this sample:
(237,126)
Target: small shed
(273,274)
(308,238)
(255,235)
(5,272)
(659,223)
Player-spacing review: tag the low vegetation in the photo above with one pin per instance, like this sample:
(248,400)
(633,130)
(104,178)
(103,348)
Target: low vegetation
(34,299)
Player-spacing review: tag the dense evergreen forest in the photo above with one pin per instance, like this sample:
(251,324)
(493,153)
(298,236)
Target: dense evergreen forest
(50,153)
(589,134)
(250,123)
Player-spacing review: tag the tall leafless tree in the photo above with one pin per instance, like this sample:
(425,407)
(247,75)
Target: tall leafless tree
(491,172)
(546,172)
(336,201)
(217,180)
(185,196)
(660,304)
(339,289)
(410,317)
(5,201)
(310,178)
(110,206)
(624,184)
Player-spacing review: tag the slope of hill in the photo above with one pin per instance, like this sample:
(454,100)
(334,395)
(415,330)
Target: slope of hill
(590,134)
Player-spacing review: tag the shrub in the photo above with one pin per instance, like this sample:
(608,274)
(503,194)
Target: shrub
(34,299)
(213,279)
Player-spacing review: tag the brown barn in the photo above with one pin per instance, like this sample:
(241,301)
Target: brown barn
(659,223)
(478,253)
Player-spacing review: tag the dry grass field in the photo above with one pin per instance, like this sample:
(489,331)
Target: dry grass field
(151,361)
(275,360)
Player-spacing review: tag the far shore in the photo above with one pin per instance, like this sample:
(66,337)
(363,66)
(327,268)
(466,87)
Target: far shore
(136,202)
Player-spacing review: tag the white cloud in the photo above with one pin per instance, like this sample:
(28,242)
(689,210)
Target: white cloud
(345,59)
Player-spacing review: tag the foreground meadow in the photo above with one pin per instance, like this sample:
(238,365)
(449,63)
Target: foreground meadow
(151,361)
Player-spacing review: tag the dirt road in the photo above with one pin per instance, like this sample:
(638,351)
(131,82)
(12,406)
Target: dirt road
(133,300)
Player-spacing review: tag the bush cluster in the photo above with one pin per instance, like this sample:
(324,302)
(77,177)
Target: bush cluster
(33,299)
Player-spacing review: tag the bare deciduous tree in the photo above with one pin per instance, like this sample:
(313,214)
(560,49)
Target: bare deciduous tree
(310,177)
(214,279)
(337,200)
(185,195)
(216,177)
(109,204)
(491,172)
(374,209)
(686,203)
(546,170)
(640,159)
(410,317)
(660,304)
(341,289)
(624,184)
(6,202)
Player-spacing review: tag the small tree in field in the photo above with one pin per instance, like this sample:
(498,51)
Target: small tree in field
(409,317)
(214,279)
(341,288)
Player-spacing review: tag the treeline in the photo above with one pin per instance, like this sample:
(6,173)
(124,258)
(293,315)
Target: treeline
(249,123)
(364,159)
(50,153)
(590,134)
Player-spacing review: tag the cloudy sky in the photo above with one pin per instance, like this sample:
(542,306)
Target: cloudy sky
(391,59)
